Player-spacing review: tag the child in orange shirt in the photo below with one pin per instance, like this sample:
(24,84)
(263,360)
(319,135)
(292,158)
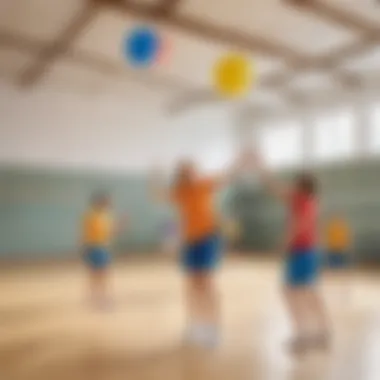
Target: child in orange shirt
(194,198)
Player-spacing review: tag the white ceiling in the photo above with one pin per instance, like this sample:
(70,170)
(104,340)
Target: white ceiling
(297,31)
(368,61)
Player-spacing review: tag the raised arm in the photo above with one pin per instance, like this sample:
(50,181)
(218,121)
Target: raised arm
(231,173)
(83,232)
(121,224)
(158,191)
(276,187)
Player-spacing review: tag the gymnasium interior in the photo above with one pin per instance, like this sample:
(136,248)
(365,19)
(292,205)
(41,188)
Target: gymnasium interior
(77,116)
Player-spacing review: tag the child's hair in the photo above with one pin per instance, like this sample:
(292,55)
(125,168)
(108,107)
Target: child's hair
(307,183)
(180,173)
(99,198)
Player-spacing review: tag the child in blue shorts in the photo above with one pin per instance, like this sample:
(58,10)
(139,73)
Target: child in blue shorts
(98,231)
(338,254)
(193,196)
(337,243)
(302,260)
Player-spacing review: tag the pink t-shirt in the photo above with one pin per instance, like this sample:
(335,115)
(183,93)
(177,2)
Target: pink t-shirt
(303,214)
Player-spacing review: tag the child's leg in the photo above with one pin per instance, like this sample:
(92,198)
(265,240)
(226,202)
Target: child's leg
(210,309)
(210,297)
(317,309)
(341,272)
(98,260)
(192,299)
(194,315)
(203,309)
(348,278)
(99,284)
(202,298)
(341,281)
(295,298)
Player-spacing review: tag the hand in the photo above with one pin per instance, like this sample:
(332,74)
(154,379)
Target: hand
(256,160)
(249,158)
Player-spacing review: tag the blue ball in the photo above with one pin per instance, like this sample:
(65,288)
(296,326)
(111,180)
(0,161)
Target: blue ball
(142,46)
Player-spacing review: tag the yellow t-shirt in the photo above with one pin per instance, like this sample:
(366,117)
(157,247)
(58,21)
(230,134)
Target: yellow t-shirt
(338,235)
(97,228)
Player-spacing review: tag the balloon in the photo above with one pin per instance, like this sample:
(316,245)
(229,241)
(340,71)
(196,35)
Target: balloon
(141,46)
(233,75)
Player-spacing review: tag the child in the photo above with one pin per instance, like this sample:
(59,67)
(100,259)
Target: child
(337,255)
(98,232)
(302,259)
(338,241)
(194,198)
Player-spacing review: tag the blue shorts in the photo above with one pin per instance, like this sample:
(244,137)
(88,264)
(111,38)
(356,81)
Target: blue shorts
(302,267)
(337,260)
(203,255)
(97,257)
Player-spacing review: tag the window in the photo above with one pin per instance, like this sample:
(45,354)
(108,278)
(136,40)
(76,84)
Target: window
(281,145)
(374,129)
(334,137)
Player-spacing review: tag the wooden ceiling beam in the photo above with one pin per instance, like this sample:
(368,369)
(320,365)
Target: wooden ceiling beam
(168,6)
(96,62)
(368,33)
(331,61)
(334,59)
(337,15)
(49,54)
(344,18)
(20,43)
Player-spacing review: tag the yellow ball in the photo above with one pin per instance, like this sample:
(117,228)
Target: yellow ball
(233,75)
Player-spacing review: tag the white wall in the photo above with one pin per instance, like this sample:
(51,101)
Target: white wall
(129,130)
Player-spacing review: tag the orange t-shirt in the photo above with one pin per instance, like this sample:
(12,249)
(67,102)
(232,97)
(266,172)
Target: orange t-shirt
(195,202)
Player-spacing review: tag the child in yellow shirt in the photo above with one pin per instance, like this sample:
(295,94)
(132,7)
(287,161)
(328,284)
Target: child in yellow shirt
(338,242)
(98,232)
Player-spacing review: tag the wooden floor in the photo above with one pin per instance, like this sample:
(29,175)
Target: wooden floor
(48,332)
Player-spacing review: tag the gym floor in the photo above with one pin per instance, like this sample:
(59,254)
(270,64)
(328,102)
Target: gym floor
(48,331)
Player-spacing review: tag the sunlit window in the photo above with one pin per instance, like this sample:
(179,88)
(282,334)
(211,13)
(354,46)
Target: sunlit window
(281,144)
(374,129)
(334,136)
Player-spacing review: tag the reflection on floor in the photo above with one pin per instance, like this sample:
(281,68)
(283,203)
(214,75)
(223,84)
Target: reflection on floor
(48,332)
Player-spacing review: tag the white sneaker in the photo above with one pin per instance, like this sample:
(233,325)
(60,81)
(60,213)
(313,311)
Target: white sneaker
(321,341)
(211,336)
(298,345)
(204,335)
(194,334)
